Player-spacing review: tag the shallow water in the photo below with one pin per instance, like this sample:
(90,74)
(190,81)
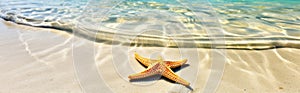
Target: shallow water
(36,60)
(43,60)
(234,24)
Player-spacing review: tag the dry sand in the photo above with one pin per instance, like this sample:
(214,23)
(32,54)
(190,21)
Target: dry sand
(37,60)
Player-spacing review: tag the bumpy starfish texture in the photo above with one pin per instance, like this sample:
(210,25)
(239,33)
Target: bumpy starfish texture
(161,67)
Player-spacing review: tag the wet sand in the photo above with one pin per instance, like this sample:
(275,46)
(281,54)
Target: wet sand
(37,60)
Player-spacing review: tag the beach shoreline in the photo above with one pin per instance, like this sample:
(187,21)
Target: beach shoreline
(37,60)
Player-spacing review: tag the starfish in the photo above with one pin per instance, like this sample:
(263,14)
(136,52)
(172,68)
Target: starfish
(159,67)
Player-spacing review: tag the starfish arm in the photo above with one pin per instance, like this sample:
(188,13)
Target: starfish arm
(150,71)
(145,61)
(168,73)
(174,64)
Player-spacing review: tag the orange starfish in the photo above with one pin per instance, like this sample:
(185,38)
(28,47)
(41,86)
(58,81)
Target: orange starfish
(161,67)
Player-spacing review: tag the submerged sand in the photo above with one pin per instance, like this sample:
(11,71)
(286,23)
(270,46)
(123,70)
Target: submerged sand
(37,60)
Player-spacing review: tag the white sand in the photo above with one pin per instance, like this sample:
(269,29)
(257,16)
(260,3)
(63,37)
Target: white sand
(36,60)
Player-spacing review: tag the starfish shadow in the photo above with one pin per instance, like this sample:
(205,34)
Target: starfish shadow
(181,67)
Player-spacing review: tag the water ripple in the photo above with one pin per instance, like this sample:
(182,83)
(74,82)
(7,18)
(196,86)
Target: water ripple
(247,25)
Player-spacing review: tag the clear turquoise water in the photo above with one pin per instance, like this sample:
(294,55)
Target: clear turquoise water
(241,24)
